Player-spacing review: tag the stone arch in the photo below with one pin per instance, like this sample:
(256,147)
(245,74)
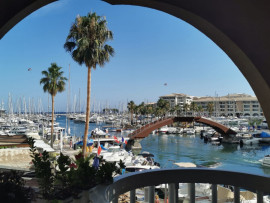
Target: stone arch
(12,12)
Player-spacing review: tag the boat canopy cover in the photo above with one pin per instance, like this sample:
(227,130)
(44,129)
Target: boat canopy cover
(265,134)
(89,143)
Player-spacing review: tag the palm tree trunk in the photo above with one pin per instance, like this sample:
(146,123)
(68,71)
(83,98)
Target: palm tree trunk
(52,121)
(87,110)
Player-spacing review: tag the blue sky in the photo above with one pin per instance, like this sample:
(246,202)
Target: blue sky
(151,48)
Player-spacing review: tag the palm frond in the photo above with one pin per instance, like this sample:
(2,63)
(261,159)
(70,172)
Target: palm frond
(87,39)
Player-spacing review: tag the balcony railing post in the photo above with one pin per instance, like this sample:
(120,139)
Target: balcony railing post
(166,193)
(236,195)
(132,196)
(191,192)
(172,192)
(259,197)
(261,184)
(146,194)
(214,193)
(176,193)
(151,194)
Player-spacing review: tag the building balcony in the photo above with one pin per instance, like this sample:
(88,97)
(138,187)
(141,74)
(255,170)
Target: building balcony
(260,185)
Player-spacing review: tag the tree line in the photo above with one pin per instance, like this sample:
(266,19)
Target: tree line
(163,108)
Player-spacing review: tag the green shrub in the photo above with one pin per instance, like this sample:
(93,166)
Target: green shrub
(12,188)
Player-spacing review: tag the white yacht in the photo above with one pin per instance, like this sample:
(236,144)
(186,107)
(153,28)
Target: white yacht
(266,160)
(163,129)
(143,161)
(115,154)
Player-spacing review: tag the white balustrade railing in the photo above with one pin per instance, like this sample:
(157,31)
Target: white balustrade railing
(150,178)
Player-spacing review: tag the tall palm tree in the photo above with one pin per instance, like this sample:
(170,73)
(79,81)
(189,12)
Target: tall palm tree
(86,42)
(53,82)
(131,108)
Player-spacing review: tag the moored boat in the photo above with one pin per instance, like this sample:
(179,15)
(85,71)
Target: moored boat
(266,160)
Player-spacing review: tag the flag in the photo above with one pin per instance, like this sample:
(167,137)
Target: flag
(115,139)
(123,139)
(99,149)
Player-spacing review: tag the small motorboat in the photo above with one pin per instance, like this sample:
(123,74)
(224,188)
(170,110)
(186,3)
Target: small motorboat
(266,160)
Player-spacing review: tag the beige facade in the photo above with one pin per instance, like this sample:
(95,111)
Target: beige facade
(177,99)
(231,105)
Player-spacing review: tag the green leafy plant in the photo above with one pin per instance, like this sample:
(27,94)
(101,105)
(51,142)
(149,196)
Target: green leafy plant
(105,172)
(12,188)
(43,170)
(60,177)
(82,174)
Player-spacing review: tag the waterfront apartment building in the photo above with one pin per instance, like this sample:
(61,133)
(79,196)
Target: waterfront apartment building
(231,105)
(175,99)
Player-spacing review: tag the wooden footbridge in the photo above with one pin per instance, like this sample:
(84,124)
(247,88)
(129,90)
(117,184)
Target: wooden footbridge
(145,130)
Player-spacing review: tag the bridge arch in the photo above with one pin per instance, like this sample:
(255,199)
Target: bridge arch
(239,27)
(144,131)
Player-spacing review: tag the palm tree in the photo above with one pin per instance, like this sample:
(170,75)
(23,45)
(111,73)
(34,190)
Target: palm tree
(143,111)
(200,109)
(163,106)
(131,108)
(86,42)
(186,108)
(177,109)
(193,107)
(210,108)
(172,110)
(158,112)
(149,110)
(53,82)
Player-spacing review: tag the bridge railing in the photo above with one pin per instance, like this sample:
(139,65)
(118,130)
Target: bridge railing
(150,178)
(147,126)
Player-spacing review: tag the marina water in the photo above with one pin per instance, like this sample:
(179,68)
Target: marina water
(169,149)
